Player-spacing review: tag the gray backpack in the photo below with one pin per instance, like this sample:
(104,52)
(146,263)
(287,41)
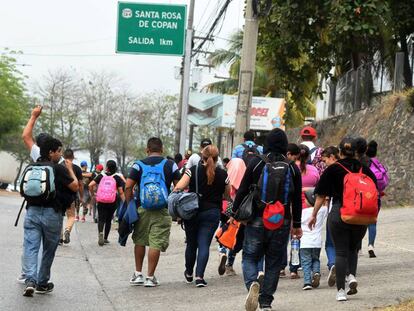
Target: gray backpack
(182,204)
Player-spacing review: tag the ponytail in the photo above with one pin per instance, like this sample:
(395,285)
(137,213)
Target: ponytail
(210,157)
(303,158)
(347,147)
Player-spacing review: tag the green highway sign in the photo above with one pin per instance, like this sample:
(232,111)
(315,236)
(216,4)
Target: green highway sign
(145,28)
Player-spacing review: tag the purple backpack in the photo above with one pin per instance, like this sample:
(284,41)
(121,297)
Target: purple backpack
(381,173)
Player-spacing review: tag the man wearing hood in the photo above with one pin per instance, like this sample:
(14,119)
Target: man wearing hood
(258,240)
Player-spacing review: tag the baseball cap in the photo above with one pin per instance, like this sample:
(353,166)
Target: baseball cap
(84,163)
(308,131)
(205,142)
(99,167)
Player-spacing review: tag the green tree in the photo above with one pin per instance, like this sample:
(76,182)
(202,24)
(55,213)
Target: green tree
(301,41)
(264,85)
(12,97)
(402,29)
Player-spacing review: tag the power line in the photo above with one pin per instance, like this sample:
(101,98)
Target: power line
(214,25)
(210,18)
(221,38)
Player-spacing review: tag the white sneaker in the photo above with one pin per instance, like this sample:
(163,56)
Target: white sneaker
(21,279)
(341,295)
(252,299)
(352,285)
(151,282)
(137,279)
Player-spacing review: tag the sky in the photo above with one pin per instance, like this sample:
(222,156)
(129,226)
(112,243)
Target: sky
(51,32)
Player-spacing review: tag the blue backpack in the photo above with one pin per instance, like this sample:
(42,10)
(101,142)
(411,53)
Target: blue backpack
(153,192)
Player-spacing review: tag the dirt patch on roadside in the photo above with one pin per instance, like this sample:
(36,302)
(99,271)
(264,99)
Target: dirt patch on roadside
(5,193)
(405,306)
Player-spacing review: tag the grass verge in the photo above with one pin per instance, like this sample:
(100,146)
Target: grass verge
(405,306)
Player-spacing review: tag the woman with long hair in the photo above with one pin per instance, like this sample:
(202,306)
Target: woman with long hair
(112,185)
(213,183)
(346,237)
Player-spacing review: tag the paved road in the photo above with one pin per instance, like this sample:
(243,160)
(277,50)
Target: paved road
(89,277)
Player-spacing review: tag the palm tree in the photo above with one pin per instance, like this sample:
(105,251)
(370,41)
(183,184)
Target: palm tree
(263,84)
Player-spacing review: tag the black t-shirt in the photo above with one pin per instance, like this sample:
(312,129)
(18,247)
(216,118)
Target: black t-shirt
(119,182)
(64,196)
(78,173)
(251,177)
(211,196)
(331,183)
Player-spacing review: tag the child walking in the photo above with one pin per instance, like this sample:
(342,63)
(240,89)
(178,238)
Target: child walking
(310,247)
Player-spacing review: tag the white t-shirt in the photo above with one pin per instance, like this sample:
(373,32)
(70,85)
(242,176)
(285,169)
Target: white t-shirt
(35,152)
(312,239)
(195,158)
(310,145)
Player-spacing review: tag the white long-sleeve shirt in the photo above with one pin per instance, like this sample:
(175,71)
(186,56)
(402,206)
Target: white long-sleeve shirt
(312,238)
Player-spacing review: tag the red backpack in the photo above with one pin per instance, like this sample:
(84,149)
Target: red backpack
(360,199)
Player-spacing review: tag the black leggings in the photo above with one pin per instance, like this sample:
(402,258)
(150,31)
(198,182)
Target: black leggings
(346,239)
(105,213)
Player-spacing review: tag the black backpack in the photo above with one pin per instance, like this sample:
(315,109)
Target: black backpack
(249,152)
(275,182)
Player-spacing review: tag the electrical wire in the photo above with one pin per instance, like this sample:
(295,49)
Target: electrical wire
(209,18)
(213,26)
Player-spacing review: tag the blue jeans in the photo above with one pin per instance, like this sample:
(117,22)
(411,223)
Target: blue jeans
(258,243)
(372,234)
(41,225)
(199,232)
(231,257)
(309,258)
(329,249)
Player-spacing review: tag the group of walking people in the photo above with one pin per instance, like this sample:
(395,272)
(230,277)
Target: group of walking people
(275,194)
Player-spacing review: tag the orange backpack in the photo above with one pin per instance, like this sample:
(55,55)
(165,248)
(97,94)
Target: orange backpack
(360,199)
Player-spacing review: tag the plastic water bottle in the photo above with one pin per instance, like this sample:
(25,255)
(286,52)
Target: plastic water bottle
(295,244)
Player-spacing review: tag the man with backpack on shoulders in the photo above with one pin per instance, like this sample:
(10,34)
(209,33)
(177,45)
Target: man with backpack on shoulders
(308,135)
(248,149)
(154,176)
(276,211)
(43,186)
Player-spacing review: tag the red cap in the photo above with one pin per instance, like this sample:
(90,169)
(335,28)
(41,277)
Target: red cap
(99,167)
(308,131)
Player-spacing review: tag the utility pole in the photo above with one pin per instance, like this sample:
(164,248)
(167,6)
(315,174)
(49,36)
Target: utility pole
(246,75)
(181,128)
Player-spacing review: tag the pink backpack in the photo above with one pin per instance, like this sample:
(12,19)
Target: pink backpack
(106,190)
(381,173)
